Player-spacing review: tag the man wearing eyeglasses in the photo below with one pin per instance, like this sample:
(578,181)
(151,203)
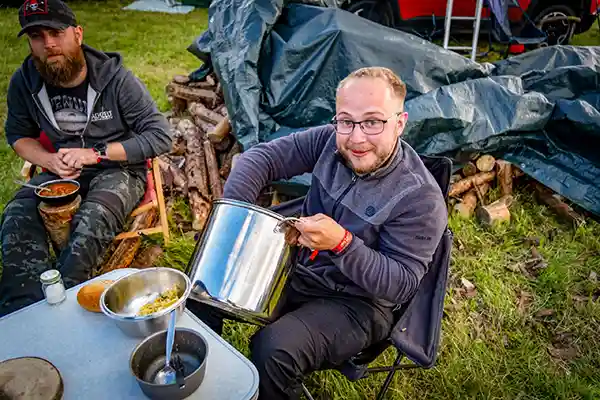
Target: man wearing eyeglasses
(372,220)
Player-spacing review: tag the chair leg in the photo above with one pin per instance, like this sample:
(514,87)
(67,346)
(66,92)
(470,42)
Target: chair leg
(390,376)
(306,392)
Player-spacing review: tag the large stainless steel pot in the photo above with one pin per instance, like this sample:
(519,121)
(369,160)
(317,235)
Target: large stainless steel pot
(241,262)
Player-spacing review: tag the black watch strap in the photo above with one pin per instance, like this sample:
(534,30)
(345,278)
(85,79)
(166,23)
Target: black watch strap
(100,148)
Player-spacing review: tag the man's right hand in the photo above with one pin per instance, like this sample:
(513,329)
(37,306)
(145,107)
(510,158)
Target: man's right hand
(54,164)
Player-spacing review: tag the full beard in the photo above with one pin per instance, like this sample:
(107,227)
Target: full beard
(62,72)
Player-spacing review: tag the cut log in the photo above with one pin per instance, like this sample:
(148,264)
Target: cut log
(562,209)
(178,105)
(227,163)
(517,173)
(57,220)
(467,183)
(480,191)
(467,206)
(147,257)
(203,125)
(167,175)
(207,97)
(211,79)
(220,132)
(200,208)
(212,167)
(177,176)
(125,252)
(485,163)
(181,79)
(178,147)
(469,169)
(199,110)
(202,85)
(504,174)
(222,109)
(195,166)
(496,212)
(224,145)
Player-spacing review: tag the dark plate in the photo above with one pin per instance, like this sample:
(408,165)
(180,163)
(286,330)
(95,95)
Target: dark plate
(58,200)
(149,357)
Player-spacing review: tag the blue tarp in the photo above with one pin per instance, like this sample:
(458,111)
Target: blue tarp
(279,65)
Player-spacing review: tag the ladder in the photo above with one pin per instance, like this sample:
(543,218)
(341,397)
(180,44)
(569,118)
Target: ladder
(477,18)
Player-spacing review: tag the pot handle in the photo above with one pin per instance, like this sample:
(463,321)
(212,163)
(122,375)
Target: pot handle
(279,227)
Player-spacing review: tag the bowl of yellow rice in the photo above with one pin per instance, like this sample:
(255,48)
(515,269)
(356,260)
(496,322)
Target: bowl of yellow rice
(140,303)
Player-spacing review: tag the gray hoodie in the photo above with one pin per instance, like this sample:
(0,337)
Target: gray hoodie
(122,110)
(397,214)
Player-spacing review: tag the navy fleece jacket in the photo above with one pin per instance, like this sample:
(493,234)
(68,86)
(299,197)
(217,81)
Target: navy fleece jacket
(396,214)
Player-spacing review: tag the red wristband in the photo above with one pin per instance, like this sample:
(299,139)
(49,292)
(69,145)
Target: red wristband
(343,244)
(98,158)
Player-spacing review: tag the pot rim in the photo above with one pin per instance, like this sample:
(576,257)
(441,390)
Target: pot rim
(118,317)
(139,346)
(250,206)
(44,184)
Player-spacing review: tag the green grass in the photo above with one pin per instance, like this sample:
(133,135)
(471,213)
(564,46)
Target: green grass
(492,347)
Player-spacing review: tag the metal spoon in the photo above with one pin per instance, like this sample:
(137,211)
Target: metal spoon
(167,375)
(29,185)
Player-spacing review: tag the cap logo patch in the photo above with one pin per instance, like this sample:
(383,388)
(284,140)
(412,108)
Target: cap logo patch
(32,7)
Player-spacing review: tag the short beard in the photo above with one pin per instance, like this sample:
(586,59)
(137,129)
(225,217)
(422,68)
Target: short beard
(59,74)
(381,160)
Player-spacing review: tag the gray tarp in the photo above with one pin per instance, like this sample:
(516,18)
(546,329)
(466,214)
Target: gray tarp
(279,65)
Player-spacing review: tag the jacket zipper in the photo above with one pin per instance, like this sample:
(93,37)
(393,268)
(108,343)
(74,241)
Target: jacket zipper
(89,119)
(339,200)
(35,100)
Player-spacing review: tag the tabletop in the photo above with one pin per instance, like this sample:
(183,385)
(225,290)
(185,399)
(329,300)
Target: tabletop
(92,353)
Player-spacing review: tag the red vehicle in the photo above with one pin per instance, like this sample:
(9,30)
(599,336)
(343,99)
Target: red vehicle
(426,17)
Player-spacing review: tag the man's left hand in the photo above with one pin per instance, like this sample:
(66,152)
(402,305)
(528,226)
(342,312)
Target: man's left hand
(319,232)
(77,158)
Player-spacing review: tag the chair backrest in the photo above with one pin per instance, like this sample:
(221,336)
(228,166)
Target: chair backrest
(417,330)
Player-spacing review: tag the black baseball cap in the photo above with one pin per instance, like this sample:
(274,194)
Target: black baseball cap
(53,14)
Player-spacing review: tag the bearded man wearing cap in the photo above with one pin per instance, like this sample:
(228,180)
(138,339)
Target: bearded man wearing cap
(100,125)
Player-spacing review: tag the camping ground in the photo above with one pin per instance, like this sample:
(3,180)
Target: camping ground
(515,336)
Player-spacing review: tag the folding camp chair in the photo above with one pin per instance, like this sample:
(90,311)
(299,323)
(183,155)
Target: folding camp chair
(530,35)
(418,322)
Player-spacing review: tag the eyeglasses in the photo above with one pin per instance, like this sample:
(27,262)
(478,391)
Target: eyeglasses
(370,126)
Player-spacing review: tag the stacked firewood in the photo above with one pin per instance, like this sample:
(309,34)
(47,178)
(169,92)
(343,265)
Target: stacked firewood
(204,149)
(470,187)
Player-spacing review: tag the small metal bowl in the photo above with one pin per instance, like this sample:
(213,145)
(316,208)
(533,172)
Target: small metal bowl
(58,200)
(122,300)
(149,357)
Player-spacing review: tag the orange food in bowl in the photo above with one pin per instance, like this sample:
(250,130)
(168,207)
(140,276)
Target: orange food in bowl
(58,189)
(88,296)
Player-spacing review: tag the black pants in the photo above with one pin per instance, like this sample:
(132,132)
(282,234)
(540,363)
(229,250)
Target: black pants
(313,332)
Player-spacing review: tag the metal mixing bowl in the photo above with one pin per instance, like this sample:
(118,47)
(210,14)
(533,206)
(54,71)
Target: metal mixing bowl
(122,300)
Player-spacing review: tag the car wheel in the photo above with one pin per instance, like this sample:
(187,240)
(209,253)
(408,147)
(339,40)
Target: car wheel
(373,10)
(559,31)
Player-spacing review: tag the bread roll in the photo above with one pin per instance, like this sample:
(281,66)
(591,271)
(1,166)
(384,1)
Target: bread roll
(88,296)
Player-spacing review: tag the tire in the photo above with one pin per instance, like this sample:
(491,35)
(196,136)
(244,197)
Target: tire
(373,10)
(559,32)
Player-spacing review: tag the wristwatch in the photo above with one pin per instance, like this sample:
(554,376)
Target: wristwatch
(100,148)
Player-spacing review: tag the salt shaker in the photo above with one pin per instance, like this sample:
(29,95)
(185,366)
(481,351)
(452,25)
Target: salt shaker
(53,286)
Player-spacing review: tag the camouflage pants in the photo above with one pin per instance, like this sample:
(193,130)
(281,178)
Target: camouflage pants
(109,196)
